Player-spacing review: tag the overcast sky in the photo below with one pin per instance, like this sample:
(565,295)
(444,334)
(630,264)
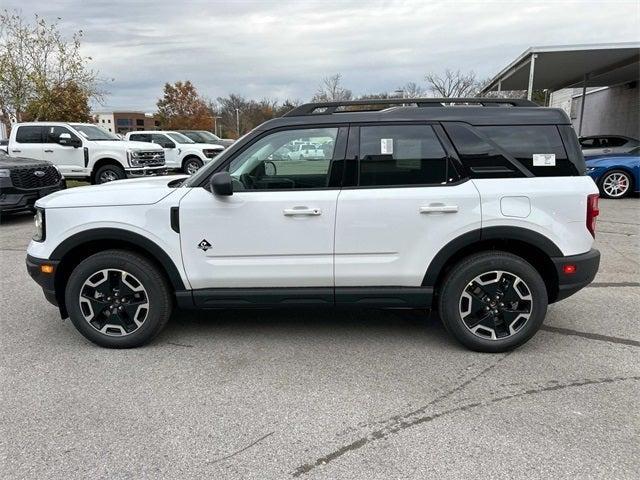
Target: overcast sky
(281,49)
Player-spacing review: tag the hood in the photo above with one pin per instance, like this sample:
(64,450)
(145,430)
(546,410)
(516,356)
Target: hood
(21,162)
(136,191)
(119,144)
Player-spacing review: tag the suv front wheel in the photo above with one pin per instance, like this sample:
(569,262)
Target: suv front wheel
(493,301)
(118,299)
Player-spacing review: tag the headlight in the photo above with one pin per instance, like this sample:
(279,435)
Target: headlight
(134,157)
(38,220)
(4,173)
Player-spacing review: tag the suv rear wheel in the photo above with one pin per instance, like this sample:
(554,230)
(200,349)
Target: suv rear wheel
(493,301)
(118,299)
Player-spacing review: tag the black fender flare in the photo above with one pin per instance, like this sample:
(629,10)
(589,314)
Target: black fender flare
(135,239)
(489,233)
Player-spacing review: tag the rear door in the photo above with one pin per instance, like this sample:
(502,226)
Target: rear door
(28,142)
(407,201)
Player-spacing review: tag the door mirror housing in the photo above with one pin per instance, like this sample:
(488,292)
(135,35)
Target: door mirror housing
(221,183)
(68,141)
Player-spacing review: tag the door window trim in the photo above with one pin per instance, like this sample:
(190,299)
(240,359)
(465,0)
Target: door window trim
(353,156)
(336,162)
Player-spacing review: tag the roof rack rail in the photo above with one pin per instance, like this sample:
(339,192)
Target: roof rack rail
(327,108)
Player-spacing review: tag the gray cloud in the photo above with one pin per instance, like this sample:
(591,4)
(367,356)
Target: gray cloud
(282,49)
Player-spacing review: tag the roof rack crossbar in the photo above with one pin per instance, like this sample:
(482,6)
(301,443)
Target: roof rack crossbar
(328,108)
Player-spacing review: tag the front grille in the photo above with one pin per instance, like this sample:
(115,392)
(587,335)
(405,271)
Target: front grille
(152,158)
(28,178)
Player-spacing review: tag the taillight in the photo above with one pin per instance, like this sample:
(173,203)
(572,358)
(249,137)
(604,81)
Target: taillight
(592,212)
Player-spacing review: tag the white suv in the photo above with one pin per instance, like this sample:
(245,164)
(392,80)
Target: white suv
(484,214)
(180,152)
(85,151)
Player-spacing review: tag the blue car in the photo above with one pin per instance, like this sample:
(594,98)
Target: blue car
(616,175)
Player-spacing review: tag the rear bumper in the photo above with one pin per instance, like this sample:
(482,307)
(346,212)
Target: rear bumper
(45,280)
(586,267)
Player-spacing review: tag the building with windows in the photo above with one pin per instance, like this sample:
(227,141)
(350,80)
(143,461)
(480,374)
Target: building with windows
(124,122)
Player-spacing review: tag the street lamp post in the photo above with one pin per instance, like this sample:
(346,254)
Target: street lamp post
(238,121)
(215,124)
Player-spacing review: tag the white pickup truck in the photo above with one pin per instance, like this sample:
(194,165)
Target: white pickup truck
(180,152)
(85,151)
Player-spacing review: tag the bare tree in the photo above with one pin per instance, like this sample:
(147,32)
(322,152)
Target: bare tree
(500,94)
(412,90)
(452,84)
(331,90)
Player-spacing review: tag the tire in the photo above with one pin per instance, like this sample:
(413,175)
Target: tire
(491,273)
(109,173)
(142,298)
(191,165)
(615,184)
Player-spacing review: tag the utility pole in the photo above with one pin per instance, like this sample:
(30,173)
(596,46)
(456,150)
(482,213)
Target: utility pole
(215,125)
(238,121)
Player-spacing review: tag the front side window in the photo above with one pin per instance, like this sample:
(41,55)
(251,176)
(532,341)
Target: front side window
(53,133)
(162,140)
(179,138)
(29,134)
(91,132)
(401,155)
(616,141)
(276,161)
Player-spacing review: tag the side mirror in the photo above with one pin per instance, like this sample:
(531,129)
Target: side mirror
(221,184)
(66,140)
(169,145)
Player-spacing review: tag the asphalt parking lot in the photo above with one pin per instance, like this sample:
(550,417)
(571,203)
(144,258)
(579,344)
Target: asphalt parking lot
(326,395)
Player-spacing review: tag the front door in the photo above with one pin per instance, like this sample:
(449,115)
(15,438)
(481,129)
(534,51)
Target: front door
(171,150)
(70,160)
(277,228)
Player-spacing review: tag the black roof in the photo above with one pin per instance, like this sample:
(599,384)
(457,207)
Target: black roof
(475,111)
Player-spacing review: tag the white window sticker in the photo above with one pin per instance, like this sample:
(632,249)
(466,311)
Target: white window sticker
(386,146)
(544,159)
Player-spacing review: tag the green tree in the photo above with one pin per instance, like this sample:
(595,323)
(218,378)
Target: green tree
(36,65)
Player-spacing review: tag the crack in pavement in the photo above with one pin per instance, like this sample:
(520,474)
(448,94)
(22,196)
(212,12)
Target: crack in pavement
(386,432)
(237,452)
(590,336)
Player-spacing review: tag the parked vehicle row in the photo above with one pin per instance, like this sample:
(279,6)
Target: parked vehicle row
(484,214)
(180,152)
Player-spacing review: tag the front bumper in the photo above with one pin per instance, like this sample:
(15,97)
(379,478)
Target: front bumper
(45,280)
(134,172)
(17,200)
(586,266)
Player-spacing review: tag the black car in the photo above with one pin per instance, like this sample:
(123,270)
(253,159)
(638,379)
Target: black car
(24,180)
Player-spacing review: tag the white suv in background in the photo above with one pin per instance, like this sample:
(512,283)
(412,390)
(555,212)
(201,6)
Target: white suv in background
(85,151)
(180,152)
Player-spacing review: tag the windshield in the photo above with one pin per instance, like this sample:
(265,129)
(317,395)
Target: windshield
(180,138)
(91,132)
(208,136)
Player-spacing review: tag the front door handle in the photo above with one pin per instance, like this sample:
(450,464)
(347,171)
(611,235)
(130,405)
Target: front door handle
(439,208)
(16,151)
(48,151)
(290,212)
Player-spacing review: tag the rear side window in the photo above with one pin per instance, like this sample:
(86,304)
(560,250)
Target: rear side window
(480,157)
(401,155)
(29,134)
(140,137)
(538,147)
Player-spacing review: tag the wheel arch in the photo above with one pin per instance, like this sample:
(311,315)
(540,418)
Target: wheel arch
(84,244)
(190,155)
(102,162)
(532,246)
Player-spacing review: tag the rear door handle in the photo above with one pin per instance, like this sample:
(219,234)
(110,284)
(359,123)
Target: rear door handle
(439,208)
(48,151)
(16,151)
(290,212)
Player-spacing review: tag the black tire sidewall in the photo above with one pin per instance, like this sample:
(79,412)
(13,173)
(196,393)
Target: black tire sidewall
(119,171)
(467,270)
(193,160)
(610,172)
(145,272)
